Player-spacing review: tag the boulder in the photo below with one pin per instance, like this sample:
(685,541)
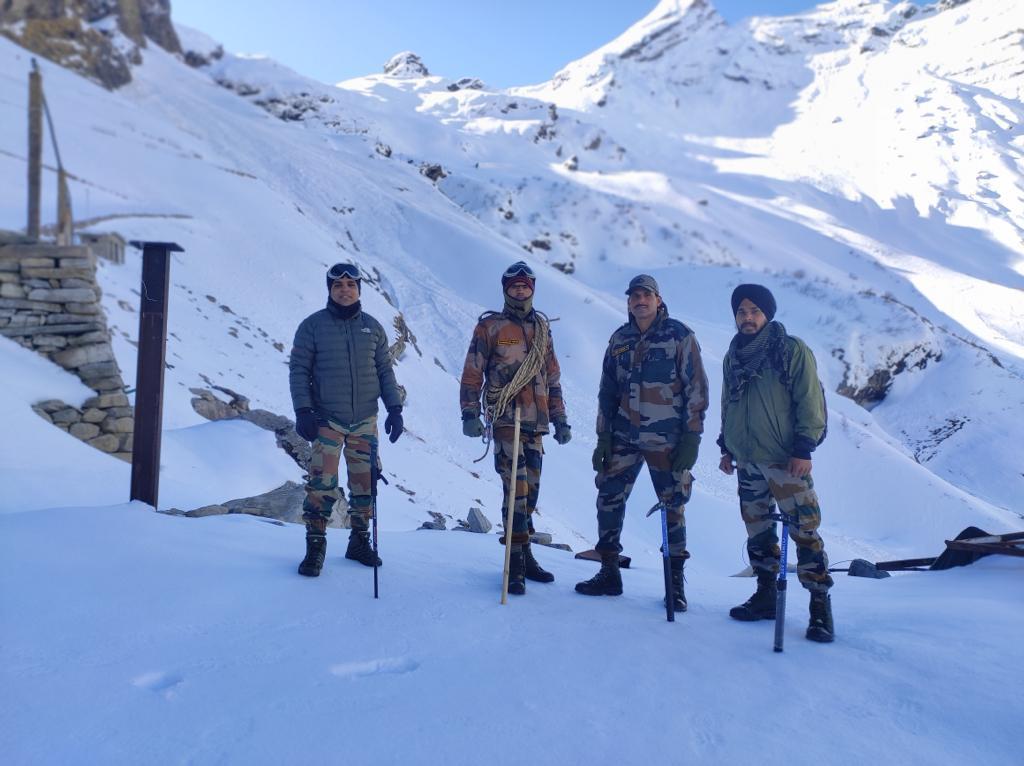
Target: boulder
(105,443)
(67,415)
(64,295)
(93,415)
(79,356)
(84,431)
(477,522)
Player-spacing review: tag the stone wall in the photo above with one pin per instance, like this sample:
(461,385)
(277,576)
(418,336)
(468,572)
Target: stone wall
(50,303)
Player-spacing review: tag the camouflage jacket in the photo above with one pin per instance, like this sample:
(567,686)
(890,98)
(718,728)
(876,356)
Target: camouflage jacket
(499,346)
(653,384)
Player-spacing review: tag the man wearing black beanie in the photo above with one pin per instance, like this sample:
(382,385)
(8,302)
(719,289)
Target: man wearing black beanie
(773,417)
(338,369)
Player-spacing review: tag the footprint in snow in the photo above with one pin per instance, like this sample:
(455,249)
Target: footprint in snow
(159,683)
(374,667)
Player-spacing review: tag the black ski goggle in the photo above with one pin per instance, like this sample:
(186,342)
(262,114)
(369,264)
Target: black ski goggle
(519,269)
(339,270)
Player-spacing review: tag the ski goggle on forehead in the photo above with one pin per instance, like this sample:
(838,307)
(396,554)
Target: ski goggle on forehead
(519,270)
(339,270)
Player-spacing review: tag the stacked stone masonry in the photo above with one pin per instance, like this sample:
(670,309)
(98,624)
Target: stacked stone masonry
(50,303)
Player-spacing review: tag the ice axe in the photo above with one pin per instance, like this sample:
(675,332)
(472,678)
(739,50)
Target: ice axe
(374,476)
(780,598)
(670,602)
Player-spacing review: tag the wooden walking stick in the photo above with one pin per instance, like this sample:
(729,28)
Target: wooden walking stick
(513,484)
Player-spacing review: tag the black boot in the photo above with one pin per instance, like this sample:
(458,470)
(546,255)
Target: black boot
(607,582)
(820,627)
(359,549)
(760,606)
(534,571)
(316,548)
(517,573)
(677,584)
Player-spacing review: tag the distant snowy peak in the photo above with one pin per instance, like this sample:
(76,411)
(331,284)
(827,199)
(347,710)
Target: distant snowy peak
(670,24)
(692,25)
(684,47)
(406,65)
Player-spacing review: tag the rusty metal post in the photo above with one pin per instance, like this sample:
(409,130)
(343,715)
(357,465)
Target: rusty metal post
(149,376)
(35,150)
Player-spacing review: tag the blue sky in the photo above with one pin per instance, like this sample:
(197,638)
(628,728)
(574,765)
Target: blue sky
(503,42)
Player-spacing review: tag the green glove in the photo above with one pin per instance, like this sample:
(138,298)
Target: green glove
(684,455)
(602,452)
(472,426)
(563,432)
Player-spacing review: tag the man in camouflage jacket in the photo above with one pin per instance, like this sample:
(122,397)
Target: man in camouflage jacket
(500,344)
(651,406)
(773,416)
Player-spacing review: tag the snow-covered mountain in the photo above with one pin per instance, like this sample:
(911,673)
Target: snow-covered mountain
(864,160)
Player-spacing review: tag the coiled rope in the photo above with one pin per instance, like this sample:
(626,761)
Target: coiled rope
(498,398)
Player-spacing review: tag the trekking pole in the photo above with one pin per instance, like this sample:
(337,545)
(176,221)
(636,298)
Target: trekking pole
(374,473)
(780,598)
(670,602)
(513,483)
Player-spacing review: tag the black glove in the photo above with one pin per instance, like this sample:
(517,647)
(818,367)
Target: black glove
(684,456)
(472,426)
(563,432)
(305,423)
(602,452)
(393,424)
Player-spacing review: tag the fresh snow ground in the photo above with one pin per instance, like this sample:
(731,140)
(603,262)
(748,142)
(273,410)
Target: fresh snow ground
(135,637)
(130,636)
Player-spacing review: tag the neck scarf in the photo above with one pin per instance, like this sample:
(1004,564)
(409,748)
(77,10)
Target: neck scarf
(519,309)
(749,355)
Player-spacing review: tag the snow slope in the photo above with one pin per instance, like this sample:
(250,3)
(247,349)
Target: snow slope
(266,177)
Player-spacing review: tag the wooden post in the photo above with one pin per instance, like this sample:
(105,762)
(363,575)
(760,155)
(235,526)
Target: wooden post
(513,484)
(65,224)
(149,378)
(35,150)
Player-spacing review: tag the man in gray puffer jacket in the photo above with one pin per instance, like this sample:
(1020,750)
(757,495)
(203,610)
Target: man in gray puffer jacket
(338,369)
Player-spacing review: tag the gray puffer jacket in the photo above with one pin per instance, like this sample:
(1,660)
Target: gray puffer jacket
(340,367)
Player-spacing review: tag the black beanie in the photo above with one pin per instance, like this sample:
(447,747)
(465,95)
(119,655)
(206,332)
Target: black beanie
(759,295)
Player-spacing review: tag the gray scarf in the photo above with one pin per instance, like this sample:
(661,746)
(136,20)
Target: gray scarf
(746,360)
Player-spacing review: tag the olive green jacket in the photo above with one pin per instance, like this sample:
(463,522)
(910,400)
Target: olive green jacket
(773,422)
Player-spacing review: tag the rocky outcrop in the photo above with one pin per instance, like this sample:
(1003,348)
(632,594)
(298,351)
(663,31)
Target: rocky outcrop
(282,504)
(406,65)
(79,35)
(205,403)
(872,390)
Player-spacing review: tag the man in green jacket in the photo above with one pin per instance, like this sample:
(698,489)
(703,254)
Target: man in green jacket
(773,416)
(338,369)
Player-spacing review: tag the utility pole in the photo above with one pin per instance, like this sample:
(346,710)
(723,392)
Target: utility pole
(149,378)
(35,150)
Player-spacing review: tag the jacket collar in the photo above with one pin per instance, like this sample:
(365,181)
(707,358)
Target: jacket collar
(344,312)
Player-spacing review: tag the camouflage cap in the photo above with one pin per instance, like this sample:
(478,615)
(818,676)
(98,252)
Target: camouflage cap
(643,281)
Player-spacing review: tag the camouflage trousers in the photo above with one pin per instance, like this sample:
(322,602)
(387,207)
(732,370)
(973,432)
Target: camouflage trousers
(528,468)
(761,486)
(356,442)
(616,482)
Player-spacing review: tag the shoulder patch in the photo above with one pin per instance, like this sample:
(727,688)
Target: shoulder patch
(509,341)
(618,350)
